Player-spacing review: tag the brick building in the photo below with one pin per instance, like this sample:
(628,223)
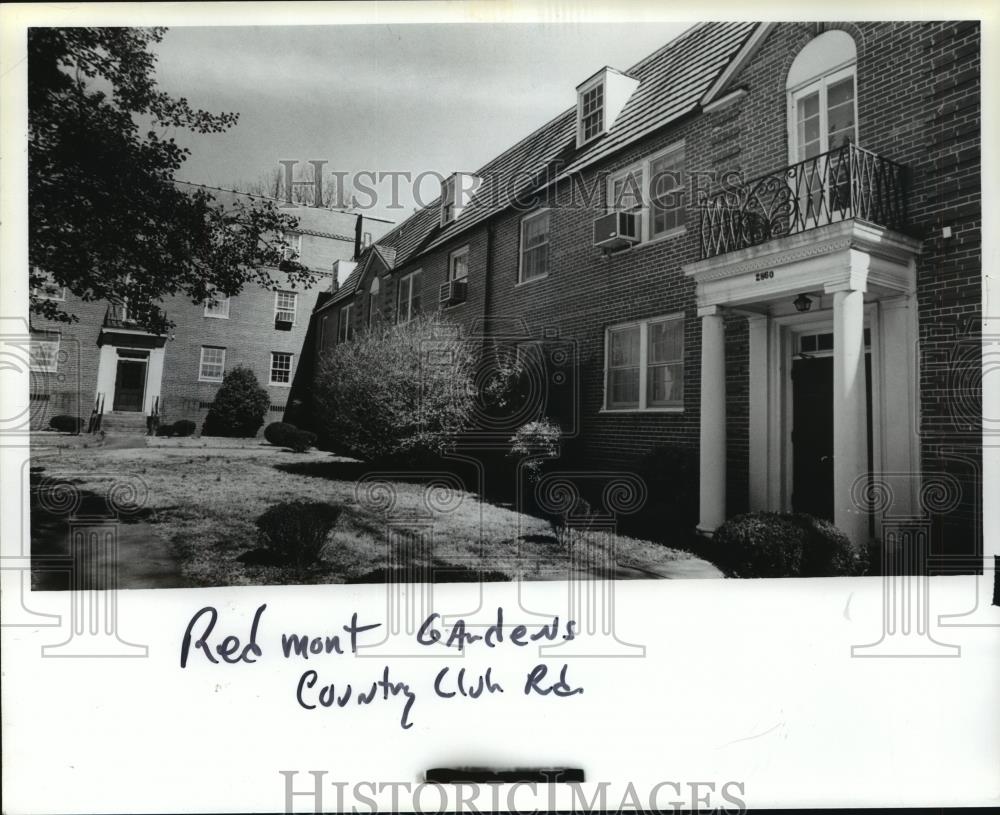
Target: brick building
(763,244)
(104,362)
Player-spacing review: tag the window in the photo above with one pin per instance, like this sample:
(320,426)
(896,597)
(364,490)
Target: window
(366,239)
(534,246)
(590,115)
(821,90)
(322,331)
(408,297)
(654,191)
(49,290)
(345,328)
(448,201)
(458,264)
(294,241)
(645,365)
(373,312)
(281,368)
(213,364)
(217,306)
(43,354)
(284,306)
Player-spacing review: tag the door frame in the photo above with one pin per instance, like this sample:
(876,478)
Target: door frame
(145,360)
(785,331)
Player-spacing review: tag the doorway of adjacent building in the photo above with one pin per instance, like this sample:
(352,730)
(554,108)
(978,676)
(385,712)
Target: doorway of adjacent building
(130,381)
(812,423)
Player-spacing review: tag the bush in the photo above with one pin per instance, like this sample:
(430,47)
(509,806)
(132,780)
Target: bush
(239,407)
(540,441)
(301,440)
(770,544)
(295,532)
(165,430)
(184,427)
(279,433)
(65,424)
(397,393)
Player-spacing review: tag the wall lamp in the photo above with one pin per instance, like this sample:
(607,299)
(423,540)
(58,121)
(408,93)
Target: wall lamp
(803,303)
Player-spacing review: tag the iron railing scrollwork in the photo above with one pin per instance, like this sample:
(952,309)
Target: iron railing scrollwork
(848,182)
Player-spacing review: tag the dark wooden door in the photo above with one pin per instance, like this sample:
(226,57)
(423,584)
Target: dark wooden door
(812,436)
(130,384)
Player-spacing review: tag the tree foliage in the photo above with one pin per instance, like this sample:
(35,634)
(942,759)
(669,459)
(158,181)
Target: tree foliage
(397,393)
(105,217)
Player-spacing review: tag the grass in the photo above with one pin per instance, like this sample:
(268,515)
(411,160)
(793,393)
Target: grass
(203,501)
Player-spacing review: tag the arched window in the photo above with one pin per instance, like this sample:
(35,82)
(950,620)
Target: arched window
(822,96)
(373,303)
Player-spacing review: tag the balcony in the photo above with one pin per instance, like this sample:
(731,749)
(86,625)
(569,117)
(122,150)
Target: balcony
(122,326)
(846,183)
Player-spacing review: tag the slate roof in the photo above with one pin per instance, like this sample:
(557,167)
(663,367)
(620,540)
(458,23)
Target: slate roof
(672,82)
(350,286)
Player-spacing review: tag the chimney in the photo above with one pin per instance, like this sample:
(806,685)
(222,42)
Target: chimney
(358,226)
(341,269)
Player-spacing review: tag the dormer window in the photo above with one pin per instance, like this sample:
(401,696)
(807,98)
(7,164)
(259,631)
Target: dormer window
(457,193)
(599,101)
(592,112)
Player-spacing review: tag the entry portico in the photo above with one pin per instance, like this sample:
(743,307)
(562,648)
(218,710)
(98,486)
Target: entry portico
(853,280)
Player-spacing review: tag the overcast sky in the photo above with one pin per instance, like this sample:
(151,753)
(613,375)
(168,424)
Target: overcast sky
(410,98)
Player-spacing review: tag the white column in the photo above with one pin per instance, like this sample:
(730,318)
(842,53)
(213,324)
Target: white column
(759,328)
(850,418)
(713,421)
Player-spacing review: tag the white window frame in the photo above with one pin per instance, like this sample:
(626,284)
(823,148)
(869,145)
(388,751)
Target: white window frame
(57,293)
(452,257)
(344,325)
(50,338)
(644,170)
(293,310)
(448,201)
(521,279)
(373,309)
(294,241)
(643,326)
(218,313)
(409,304)
(581,138)
(201,364)
(818,83)
(291,369)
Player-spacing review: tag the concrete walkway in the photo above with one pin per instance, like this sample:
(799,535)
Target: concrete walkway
(143,560)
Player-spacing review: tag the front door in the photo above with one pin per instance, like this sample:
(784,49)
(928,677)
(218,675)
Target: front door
(130,384)
(812,436)
(812,433)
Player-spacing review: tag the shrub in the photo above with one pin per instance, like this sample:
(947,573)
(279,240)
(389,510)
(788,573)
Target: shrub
(540,441)
(301,440)
(65,424)
(184,427)
(239,406)
(770,544)
(397,393)
(295,532)
(165,430)
(278,433)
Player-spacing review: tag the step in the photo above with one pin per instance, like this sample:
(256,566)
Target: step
(124,422)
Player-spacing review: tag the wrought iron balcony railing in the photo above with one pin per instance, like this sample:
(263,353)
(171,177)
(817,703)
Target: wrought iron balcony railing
(845,183)
(119,316)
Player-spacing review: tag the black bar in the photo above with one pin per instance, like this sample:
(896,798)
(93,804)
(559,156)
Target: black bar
(485,775)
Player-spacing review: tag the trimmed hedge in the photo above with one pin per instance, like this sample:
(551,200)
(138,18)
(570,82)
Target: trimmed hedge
(771,544)
(66,424)
(283,434)
(184,427)
(295,532)
(279,433)
(239,407)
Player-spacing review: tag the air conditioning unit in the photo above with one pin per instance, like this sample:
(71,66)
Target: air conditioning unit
(616,230)
(452,293)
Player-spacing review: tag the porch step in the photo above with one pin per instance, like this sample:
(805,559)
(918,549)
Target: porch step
(118,421)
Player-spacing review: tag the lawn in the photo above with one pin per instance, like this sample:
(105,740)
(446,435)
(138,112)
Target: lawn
(203,501)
